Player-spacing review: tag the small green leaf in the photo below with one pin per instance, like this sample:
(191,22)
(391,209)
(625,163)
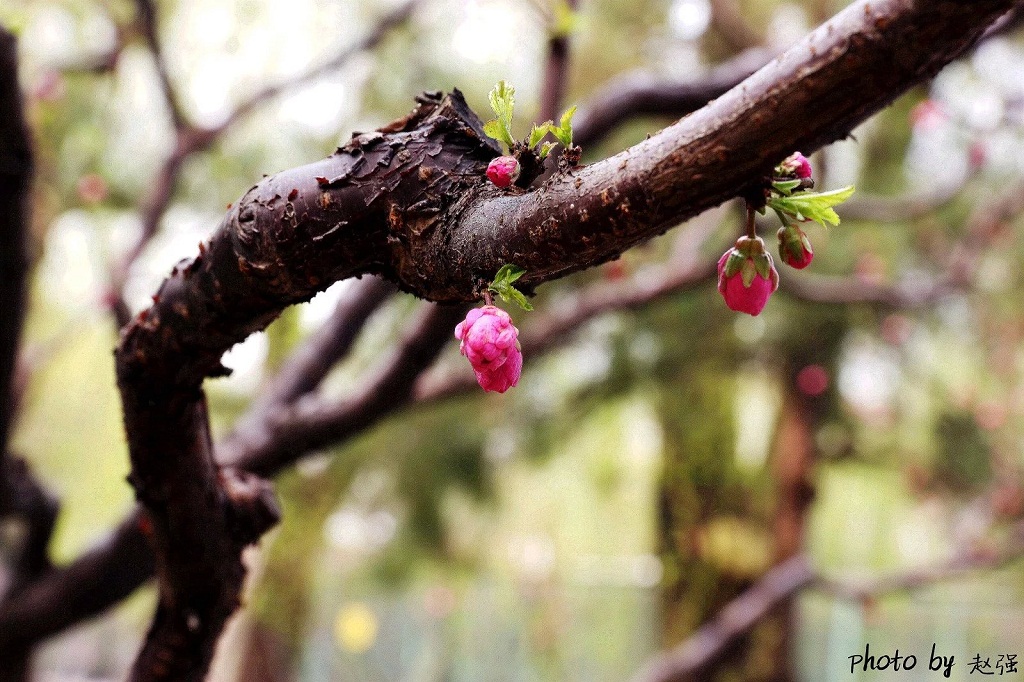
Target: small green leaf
(812,205)
(508,273)
(496,130)
(538,133)
(546,148)
(563,131)
(763,265)
(513,295)
(502,285)
(786,186)
(748,271)
(503,100)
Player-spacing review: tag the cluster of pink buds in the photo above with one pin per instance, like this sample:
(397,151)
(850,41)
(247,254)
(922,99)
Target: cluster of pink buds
(490,341)
(747,276)
(503,171)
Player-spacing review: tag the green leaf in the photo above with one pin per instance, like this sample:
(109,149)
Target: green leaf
(545,149)
(503,100)
(812,205)
(538,133)
(563,131)
(496,130)
(502,285)
(786,186)
(507,274)
(513,295)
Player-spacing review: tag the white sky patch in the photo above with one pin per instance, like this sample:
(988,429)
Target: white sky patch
(869,375)
(319,108)
(320,307)
(486,33)
(70,267)
(246,361)
(689,19)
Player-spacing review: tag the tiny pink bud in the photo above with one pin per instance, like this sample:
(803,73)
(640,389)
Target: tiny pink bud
(490,341)
(796,164)
(503,171)
(747,260)
(794,247)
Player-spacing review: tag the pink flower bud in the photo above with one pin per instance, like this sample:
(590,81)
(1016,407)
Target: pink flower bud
(746,276)
(503,171)
(490,341)
(796,164)
(794,247)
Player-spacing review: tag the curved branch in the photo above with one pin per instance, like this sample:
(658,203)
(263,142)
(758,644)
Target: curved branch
(784,581)
(710,641)
(641,93)
(312,423)
(307,366)
(147,19)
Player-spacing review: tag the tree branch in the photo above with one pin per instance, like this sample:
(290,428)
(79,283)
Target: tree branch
(15,179)
(310,363)
(556,71)
(640,93)
(787,579)
(21,496)
(146,11)
(313,423)
(739,616)
(190,140)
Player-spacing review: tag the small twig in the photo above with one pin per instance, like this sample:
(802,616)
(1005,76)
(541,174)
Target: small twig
(148,22)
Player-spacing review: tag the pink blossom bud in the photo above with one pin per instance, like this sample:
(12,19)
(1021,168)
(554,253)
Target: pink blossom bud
(794,247)
(796,164)
(490,341)
(746,276)
(503,171)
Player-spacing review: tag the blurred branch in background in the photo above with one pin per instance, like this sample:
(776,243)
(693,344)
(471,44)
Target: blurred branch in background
(780,584)
(190,140)
(640,93)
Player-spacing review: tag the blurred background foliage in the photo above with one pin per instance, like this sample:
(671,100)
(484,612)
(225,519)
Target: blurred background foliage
(640,476)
